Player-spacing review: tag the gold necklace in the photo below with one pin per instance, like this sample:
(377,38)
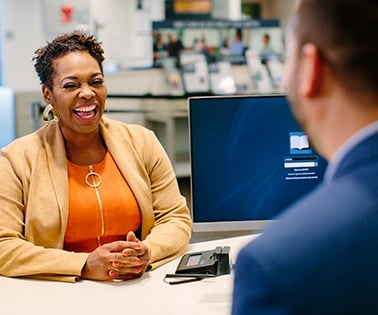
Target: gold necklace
(94,180)
(95,177)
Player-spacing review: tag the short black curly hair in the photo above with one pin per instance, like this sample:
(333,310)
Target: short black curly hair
(62,45)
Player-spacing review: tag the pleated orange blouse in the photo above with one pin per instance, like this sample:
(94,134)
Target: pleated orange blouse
(99,215)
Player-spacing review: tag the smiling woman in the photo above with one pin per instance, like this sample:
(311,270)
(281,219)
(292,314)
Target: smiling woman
(78,92)
(86,196)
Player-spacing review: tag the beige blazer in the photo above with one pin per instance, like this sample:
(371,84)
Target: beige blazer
(34,200)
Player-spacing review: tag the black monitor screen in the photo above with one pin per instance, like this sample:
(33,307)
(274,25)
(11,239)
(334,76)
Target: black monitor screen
(249,158)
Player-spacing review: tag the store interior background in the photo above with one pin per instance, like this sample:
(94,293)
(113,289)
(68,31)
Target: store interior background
(124,27)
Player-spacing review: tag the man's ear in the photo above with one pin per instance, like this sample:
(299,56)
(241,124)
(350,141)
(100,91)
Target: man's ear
(311,75)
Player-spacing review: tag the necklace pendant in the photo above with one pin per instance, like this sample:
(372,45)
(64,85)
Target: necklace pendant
(93,179)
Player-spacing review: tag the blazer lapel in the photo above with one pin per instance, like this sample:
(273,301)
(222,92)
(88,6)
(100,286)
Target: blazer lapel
(57,168)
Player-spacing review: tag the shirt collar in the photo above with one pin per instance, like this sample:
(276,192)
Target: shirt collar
(352,142)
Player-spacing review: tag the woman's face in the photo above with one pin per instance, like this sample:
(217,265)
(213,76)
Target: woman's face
(78,93)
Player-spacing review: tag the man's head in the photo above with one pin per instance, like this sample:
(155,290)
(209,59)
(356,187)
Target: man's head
(331,56)
(345,32)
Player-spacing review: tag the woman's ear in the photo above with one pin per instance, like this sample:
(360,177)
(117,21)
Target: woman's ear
(47,95)
(311,76)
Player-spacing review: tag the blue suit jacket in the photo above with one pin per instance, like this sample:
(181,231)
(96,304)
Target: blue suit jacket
(321,256)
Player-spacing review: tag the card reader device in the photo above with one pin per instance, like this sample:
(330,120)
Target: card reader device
(212,262)
(200,265)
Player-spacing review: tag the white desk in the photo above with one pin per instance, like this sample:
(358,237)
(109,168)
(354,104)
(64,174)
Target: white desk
(147,295)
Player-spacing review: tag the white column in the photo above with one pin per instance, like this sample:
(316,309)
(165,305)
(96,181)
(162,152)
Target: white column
(7,117)
(226,9)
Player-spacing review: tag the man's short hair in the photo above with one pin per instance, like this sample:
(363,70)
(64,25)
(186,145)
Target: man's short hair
(345,32)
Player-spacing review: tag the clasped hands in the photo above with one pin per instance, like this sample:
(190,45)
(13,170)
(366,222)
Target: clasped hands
(119,260)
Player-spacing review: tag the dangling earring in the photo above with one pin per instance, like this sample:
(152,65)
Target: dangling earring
(107,107)
(49,115)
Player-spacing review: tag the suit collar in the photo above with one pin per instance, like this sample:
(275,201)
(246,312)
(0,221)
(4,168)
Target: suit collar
(356,152)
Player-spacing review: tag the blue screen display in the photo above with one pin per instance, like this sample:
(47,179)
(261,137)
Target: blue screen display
(249,158)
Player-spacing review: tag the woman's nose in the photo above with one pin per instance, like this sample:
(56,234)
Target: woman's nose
(86,91)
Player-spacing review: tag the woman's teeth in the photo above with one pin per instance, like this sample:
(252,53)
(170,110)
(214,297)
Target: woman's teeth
(85,109)
(86,112)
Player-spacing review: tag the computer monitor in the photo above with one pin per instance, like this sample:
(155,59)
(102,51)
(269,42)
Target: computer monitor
(249,161)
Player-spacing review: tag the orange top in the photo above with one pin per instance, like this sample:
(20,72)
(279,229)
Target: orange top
(96,218)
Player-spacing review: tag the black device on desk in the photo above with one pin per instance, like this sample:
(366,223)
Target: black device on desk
(215,262)
(203,264)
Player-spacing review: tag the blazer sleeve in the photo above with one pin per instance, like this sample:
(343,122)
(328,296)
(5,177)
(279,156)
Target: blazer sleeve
(254,291)
(170,233)
(30,219)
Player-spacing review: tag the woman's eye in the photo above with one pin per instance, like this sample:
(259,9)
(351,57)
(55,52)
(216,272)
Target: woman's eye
(97,82)
(70,85)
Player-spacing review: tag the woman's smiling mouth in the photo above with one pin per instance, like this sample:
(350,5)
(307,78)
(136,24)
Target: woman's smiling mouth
(86,113)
